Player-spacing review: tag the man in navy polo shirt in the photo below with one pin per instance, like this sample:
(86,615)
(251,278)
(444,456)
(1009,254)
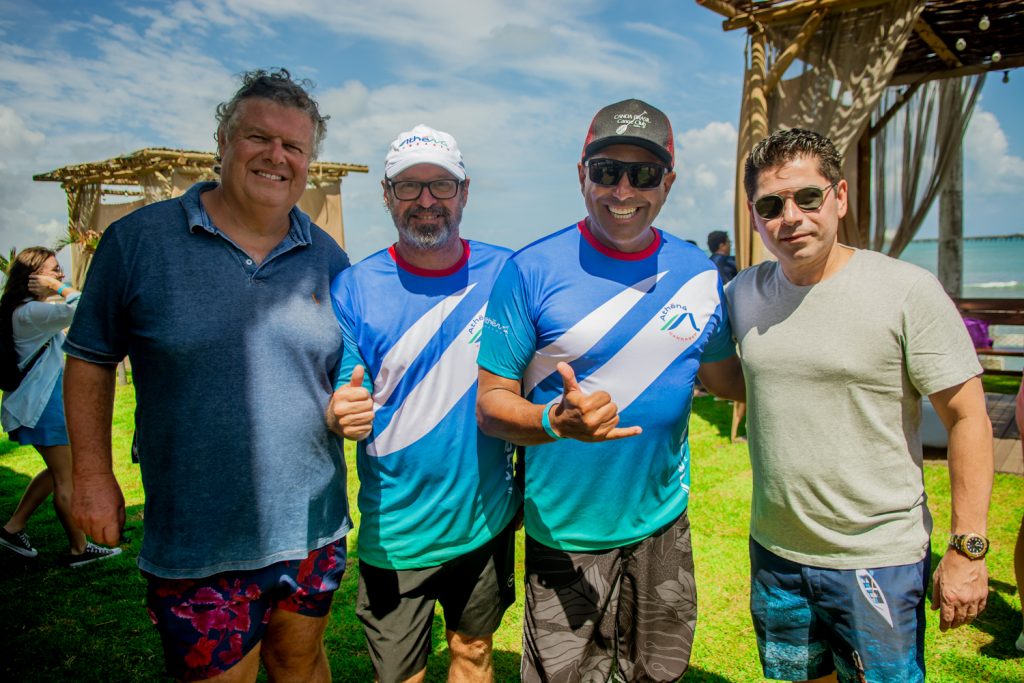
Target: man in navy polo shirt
(221,299)
(436,496)
(593,339)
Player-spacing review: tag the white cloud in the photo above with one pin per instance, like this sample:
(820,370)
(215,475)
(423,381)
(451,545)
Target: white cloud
(990,169)
(17,140)
(702,198)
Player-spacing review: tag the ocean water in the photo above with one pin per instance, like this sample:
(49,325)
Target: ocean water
(993,269)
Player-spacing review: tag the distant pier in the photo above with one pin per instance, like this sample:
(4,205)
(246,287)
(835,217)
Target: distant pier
(984,238)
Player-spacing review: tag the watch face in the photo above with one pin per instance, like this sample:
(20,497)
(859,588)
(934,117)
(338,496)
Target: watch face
(974,545)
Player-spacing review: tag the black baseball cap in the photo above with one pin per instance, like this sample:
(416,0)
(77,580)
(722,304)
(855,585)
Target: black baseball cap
(631,122)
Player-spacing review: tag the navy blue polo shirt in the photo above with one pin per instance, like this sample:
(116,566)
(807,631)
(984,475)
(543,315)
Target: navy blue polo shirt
(233,364)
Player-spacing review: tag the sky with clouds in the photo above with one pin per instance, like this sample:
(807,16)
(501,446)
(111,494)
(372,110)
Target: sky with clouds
(516,83)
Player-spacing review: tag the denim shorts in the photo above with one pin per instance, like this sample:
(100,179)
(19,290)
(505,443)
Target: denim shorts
(208,625)
(864,624)
(50,429)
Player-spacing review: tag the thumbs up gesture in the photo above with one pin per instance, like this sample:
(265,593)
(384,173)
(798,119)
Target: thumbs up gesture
(586,417)
(350,412)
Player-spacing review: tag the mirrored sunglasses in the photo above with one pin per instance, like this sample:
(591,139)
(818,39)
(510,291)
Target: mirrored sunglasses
(642,175)
(806,198)
(408,190)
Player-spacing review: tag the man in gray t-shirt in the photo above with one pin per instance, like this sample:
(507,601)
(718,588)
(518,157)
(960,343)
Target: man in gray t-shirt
(838,346)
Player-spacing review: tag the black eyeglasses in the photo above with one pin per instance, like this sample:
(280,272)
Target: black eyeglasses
(408,190)
(643,175)
(806,198)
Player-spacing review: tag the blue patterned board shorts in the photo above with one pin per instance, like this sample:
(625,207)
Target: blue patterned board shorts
(50,429)
(867,625)
(208,625)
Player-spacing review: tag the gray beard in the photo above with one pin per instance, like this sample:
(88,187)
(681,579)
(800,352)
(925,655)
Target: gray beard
(425,239)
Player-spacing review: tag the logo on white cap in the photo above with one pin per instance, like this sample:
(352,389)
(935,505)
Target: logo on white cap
(424,145)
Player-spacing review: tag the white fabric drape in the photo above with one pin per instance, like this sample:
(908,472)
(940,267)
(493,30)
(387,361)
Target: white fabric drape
(912,154)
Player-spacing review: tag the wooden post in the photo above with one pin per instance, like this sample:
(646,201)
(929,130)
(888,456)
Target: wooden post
(951,225)
(951,203)
(864,190)
(753,128)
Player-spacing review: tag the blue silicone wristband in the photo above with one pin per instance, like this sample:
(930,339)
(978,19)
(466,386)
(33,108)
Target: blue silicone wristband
(60,290)
(545,419)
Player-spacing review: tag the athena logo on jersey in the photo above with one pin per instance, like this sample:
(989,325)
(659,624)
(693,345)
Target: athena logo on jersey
(475,329)
(678,322)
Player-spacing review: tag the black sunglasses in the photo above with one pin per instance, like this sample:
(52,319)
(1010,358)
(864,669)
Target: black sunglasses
(408,190)
(643,175)
(806,198)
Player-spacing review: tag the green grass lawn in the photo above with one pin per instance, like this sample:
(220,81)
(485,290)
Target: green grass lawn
(90,624)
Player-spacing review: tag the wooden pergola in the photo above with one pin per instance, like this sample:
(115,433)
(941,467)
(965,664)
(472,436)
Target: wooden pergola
(100,192)
(947,39)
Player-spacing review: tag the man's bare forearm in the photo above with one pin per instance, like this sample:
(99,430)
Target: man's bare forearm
(962,410)
(724,379)
(502,413)
(89,410)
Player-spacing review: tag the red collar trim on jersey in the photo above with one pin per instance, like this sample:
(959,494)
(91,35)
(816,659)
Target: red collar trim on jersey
(428,272)
(615,253)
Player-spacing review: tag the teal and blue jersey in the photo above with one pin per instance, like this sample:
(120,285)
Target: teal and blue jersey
(637,325)
(432,487)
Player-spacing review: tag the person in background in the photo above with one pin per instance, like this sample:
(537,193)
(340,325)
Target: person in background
(221,298)
(721,255)
(436,497)
(34,412)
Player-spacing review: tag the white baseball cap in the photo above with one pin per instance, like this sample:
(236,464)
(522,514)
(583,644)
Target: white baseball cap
(424,145)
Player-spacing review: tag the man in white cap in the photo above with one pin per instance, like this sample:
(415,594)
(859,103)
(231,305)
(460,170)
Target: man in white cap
(436,496)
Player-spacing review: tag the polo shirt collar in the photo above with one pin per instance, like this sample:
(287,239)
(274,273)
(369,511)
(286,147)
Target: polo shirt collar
(299,230)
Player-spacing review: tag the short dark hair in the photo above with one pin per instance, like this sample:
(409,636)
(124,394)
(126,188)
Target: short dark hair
(717,238)
(277,86)
(784,146)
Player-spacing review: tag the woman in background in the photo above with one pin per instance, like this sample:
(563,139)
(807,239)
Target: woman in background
(34,412)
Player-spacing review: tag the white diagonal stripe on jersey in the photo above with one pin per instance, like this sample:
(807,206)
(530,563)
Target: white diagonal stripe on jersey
(582,336)
(410,345)
(431,400)
(629,372)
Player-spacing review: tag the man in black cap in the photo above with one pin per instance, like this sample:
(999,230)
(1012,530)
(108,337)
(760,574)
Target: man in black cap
(593,339)
(721,250)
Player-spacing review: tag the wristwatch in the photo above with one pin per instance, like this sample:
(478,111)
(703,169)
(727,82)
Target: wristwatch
(974,546)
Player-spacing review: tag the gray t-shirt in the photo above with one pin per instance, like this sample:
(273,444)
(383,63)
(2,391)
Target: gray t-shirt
(835,373)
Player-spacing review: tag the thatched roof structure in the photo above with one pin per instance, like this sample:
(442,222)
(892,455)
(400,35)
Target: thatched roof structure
(932,51)
(157,173)
(892,82)
(128,169)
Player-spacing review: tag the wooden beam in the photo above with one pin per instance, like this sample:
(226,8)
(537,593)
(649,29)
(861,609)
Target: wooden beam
(864,190)
(892,111)
(793,50)
(924,29)
(795,11)
(127,170)
(1006,64)
(720,7)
